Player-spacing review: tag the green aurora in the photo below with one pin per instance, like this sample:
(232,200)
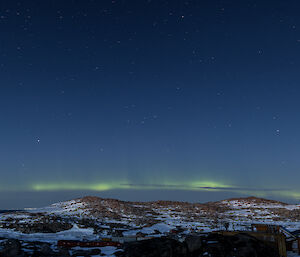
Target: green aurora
(194,185)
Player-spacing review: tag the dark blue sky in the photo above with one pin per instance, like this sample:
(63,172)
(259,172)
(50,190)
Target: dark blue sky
(130,98)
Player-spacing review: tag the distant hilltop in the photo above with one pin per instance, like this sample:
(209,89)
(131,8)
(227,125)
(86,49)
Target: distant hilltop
(97,207)
(242,200)
(254,199)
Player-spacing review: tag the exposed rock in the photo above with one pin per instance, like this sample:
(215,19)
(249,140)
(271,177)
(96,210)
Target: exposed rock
(64,252)
(40,227)
(213,245)
(239,245)
(11,248)
(194,243)
(157,247)
(87,252)
(46,250)
(119,253)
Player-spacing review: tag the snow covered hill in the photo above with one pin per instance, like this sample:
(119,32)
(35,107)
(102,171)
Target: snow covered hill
(94,218)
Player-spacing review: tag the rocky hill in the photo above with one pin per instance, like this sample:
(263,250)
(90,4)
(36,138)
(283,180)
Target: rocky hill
(94,218)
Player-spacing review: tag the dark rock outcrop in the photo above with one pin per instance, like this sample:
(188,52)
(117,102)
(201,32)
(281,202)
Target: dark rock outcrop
(193,243)
(88,252)
(205,245)
(46,250)
(213,245)
(11,248)
(158,247)
(39,227)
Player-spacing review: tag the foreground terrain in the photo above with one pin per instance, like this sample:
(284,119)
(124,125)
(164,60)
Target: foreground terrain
(36,232)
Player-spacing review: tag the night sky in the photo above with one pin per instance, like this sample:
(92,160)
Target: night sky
(149,99)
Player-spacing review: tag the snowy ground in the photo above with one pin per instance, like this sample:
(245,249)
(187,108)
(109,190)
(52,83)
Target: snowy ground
(75,233)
